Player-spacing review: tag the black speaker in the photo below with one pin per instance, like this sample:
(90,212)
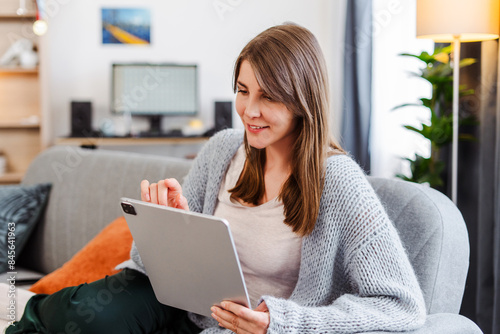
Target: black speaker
(223,115)
(81,119)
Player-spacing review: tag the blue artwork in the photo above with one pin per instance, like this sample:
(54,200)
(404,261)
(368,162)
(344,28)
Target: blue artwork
(126,26)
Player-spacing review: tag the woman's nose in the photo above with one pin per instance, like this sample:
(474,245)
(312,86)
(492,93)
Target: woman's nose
(252,109)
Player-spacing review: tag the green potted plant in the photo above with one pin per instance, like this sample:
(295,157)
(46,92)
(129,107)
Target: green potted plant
(438,71)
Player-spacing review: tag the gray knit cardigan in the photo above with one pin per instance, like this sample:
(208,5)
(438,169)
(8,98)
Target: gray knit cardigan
(354,273)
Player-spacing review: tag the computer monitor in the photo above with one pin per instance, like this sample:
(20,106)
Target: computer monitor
(154,90)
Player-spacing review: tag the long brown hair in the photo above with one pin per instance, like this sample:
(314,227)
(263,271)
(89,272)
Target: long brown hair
(289,67)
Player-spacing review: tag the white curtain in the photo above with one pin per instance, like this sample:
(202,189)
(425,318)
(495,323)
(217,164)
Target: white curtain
(394,31)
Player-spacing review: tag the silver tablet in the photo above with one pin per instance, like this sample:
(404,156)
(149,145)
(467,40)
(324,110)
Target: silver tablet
(190,258)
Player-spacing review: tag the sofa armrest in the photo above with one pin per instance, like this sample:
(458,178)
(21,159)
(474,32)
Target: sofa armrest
(445,323)
(12,302)
(23,277)
(448,323)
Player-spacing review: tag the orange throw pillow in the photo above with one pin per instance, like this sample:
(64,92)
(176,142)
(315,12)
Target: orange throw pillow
(93,262)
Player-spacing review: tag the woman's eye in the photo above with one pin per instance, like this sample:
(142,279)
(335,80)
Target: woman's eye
(242,91)
(268,98)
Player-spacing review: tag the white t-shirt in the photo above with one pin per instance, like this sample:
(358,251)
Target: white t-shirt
(268,250)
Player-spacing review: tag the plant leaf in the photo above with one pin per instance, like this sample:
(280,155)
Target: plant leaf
(467,62)
(467,137)
(426,102)
(407,105)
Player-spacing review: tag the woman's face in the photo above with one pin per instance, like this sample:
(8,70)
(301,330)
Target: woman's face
(267,123)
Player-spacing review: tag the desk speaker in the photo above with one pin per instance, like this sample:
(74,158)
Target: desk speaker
(81,119)
(223,115)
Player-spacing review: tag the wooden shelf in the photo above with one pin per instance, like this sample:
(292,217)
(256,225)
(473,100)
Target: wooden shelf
(14,16)
(19,125)
(18,70)
(110,141)
(9,178)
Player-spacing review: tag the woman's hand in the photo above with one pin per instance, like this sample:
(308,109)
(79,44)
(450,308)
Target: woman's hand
(166,192)
(241,319)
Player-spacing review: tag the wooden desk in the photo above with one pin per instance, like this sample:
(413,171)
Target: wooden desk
(181,147)
(129,141)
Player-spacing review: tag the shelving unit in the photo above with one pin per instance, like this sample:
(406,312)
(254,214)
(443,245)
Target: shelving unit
(20,116)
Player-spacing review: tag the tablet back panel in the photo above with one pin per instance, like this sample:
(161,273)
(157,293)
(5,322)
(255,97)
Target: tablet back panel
(190,258)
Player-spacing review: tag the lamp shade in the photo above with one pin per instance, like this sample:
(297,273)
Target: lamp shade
(469,20)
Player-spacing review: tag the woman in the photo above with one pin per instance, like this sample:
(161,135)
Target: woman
(317,249)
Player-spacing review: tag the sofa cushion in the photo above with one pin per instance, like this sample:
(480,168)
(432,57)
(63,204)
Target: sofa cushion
(86,189)
(20,210)
(94,261)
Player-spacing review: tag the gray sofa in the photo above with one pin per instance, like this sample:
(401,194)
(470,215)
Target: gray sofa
(87,186)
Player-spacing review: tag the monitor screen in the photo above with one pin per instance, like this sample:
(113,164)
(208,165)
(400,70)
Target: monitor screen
(154,89)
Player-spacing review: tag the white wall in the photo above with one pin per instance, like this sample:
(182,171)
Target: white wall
(211,33)
(394,33)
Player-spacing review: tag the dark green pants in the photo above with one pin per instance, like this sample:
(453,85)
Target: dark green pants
(122,303)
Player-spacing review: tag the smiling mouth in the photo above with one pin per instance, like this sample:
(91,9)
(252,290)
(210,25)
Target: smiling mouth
(257,127)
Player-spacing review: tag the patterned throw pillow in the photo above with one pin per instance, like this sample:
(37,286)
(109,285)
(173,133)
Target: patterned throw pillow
(21,208)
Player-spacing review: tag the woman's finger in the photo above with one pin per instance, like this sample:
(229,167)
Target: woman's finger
(166,192)
(262,307)
(153,192)
(174,189)
(145,191)
(162,193)
(181,202)
(227,319)
(240,318)
(173,185)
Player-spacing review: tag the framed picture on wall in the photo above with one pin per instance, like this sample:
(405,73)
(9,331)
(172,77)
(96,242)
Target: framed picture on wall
(126,26)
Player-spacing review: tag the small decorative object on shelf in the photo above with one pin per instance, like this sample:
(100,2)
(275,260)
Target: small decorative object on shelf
(22,53)
(22,8)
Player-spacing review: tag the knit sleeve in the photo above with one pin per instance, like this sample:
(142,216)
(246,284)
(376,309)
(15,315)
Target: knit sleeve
(194,186)
(379,290)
